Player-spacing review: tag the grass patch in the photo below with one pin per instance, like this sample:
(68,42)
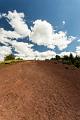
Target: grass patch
(10,61)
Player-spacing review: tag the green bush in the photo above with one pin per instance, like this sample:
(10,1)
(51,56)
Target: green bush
(77,64)
(19,59)
(9,57)
(65,57)
(52,59)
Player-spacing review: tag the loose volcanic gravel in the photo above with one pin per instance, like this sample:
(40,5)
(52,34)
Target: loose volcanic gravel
(35,90)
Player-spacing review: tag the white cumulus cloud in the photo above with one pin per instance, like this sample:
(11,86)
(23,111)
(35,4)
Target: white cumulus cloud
(23,50)
(7,36)
(78,50)
(16,20)
(41,33)
(4,51)
(45,55)
(61,40)
(67,53)
(44,34)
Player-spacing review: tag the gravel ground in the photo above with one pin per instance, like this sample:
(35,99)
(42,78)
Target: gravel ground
(39,91)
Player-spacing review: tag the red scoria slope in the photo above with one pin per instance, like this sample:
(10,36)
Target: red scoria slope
(39,91)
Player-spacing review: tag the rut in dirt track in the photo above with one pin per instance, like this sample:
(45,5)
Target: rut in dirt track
(39,91)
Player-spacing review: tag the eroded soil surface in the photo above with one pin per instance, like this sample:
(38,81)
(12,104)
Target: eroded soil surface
(39,91)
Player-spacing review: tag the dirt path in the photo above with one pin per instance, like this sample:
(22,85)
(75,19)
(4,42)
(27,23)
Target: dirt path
(39,91)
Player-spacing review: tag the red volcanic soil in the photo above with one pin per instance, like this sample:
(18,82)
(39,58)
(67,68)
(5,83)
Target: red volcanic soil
(39,91)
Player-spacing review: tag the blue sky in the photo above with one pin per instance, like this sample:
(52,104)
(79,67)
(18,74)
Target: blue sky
(63,15)
(55,11)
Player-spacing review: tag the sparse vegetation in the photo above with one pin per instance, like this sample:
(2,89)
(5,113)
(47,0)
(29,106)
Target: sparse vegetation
(9,59)
(70,60)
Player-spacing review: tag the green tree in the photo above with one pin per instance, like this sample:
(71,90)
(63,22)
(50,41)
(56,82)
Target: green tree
(57,57)
(71,58)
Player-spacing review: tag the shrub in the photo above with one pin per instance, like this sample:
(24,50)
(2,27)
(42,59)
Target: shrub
(46,59)
(19,59)
(52,59)
(9,57)
(77,63)
(65,57)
